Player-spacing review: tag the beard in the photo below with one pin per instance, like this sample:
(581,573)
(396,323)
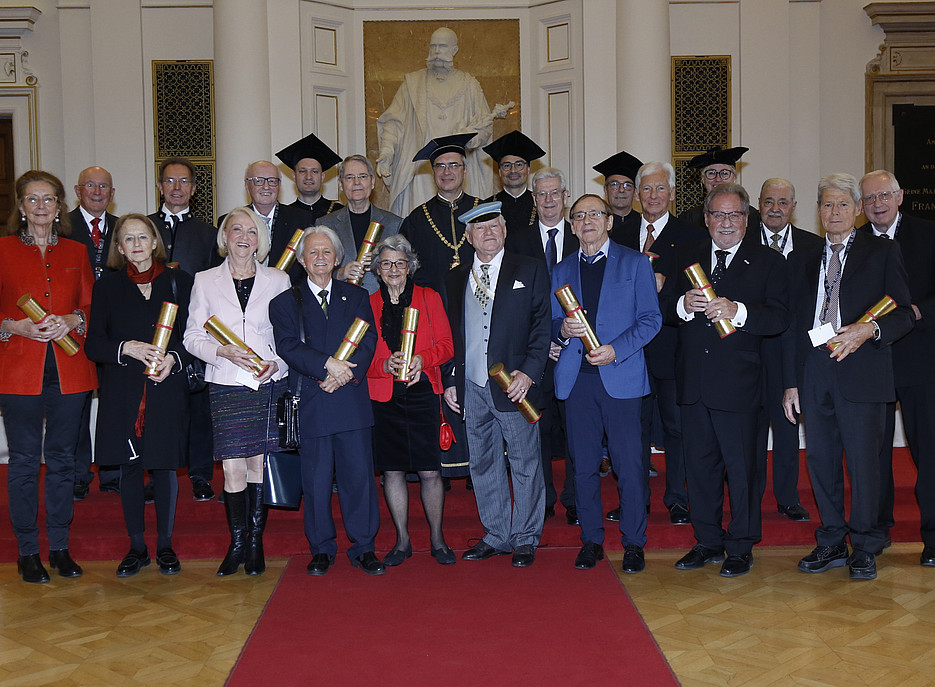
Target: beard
(439,63)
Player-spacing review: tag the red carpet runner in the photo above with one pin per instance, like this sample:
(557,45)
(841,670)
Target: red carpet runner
(474,623)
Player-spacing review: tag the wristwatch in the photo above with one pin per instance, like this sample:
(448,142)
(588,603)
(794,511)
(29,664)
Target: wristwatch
(876,330)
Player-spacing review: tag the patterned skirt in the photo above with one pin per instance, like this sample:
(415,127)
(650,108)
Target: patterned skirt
(244,420)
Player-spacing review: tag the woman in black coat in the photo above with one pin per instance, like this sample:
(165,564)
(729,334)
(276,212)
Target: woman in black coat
(142,422)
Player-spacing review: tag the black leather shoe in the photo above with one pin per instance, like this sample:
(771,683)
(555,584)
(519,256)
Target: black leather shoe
(319,564)
(633,559)
(862,565)
(60,560)
(678,515)
(613,515)
(928,557)
(589,555)
(887,543)
(571,515)
(80,490)
(369,563)
(397,556)
(549,512)
(524,556)
(201,490)
(132,563)
(653,472)
(605,467)
(481,552)
(30,567)
(824,558)
(110,488)
(796,512)
(444,555)
(699,557)
(737,565)
(169,563)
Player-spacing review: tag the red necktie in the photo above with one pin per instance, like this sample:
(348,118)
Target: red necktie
(96,232)
(650,239)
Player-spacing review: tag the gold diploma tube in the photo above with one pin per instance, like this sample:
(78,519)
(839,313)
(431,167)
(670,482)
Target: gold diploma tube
(503,380)
(371,239)
(699,280)
(37,314)
(882,307)
(222,333)
(164,326)
(568,301)
(408,341)
(288,256)
(355,333)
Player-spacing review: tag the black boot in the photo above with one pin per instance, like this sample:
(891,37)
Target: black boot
(235,505)
(255,564)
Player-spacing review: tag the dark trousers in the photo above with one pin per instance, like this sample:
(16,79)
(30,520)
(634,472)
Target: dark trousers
(165,493)
(347,456)
(785,434)
(22,419)
(839,430)
(592,412)
(106,475)
(200,437)
(552,438)
(663,391)
(722,442)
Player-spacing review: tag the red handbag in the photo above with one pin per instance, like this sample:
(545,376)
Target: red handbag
(446,435)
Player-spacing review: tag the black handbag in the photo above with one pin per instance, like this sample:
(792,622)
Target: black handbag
(282,479)
(287,405)
(195,370)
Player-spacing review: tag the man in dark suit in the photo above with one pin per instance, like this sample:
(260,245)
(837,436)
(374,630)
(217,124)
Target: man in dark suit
(619,172)
(498,307)
(604,387)
(716,166)
(192,243)
(513,153)
(843,394)
(334,410)
(550,244)
(93,226)
(309,158)
(777,202)
(913,364)
(355,175)
(718,378)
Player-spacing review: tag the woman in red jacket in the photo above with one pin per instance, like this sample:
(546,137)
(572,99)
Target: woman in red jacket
(406,413)
(38,378)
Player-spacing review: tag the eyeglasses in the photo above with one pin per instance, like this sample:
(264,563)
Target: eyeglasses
(593,214)
(181,181)
(519,166)
(389,264)
(91,185)
(448,165)
(554,193)
(723,174)
(351,178)
(625,185)
(272,182)
(732,217)
(45,200)
(658,188)
(882,196)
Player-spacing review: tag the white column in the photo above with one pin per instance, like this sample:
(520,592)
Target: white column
(241,95)
(644,112)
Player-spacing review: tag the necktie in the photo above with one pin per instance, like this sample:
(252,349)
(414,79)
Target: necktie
(884,236)
(720,268)
(591,259)
(650,239)
(96,232)
(482,292)
(323,295)
(774,243)
(832,278)
(551,250)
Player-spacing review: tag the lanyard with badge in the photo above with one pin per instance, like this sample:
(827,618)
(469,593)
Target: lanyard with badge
(782,246)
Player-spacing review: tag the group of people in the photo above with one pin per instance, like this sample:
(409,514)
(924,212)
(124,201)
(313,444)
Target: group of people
(589,338)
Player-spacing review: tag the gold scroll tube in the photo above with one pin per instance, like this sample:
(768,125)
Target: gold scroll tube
(882,307)
(503,380)
(352,339)
(371,239)
(37,314)
(407,341)
(287,258)
(568,301)
(164,326)
(699,280)
(224,336)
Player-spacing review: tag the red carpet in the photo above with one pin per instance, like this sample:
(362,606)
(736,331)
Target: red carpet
(474,623)
(98,532)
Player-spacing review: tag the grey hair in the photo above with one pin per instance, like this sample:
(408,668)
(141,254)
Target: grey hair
(884,173)
(549,173)
(778,181)
(262,233)
(728,190)
(324,231)
(400,244)
(651,168)
(355,158)
(840,181)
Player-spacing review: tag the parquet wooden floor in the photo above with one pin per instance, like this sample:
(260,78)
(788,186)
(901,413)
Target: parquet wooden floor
(775,626)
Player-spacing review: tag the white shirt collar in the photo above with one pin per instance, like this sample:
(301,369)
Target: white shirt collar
(658,225)
(88,217)
(315,288)
(605,248)
(891,229)
(167,212)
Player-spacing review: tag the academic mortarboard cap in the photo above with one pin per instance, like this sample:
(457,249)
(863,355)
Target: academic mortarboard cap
(481,213)
(455,143)
(310,146)
(514,143)
(621,163)
(717,156)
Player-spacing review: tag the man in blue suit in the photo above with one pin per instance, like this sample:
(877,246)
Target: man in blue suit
(604,388)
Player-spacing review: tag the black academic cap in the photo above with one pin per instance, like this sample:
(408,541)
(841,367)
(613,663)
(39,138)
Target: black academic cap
(444,144)
(621,163)
(310,146)
(717,156)
(514,143)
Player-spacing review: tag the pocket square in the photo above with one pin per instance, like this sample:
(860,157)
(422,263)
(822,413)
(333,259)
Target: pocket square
(517,284)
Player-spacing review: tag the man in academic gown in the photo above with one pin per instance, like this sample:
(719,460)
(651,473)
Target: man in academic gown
(309,158)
